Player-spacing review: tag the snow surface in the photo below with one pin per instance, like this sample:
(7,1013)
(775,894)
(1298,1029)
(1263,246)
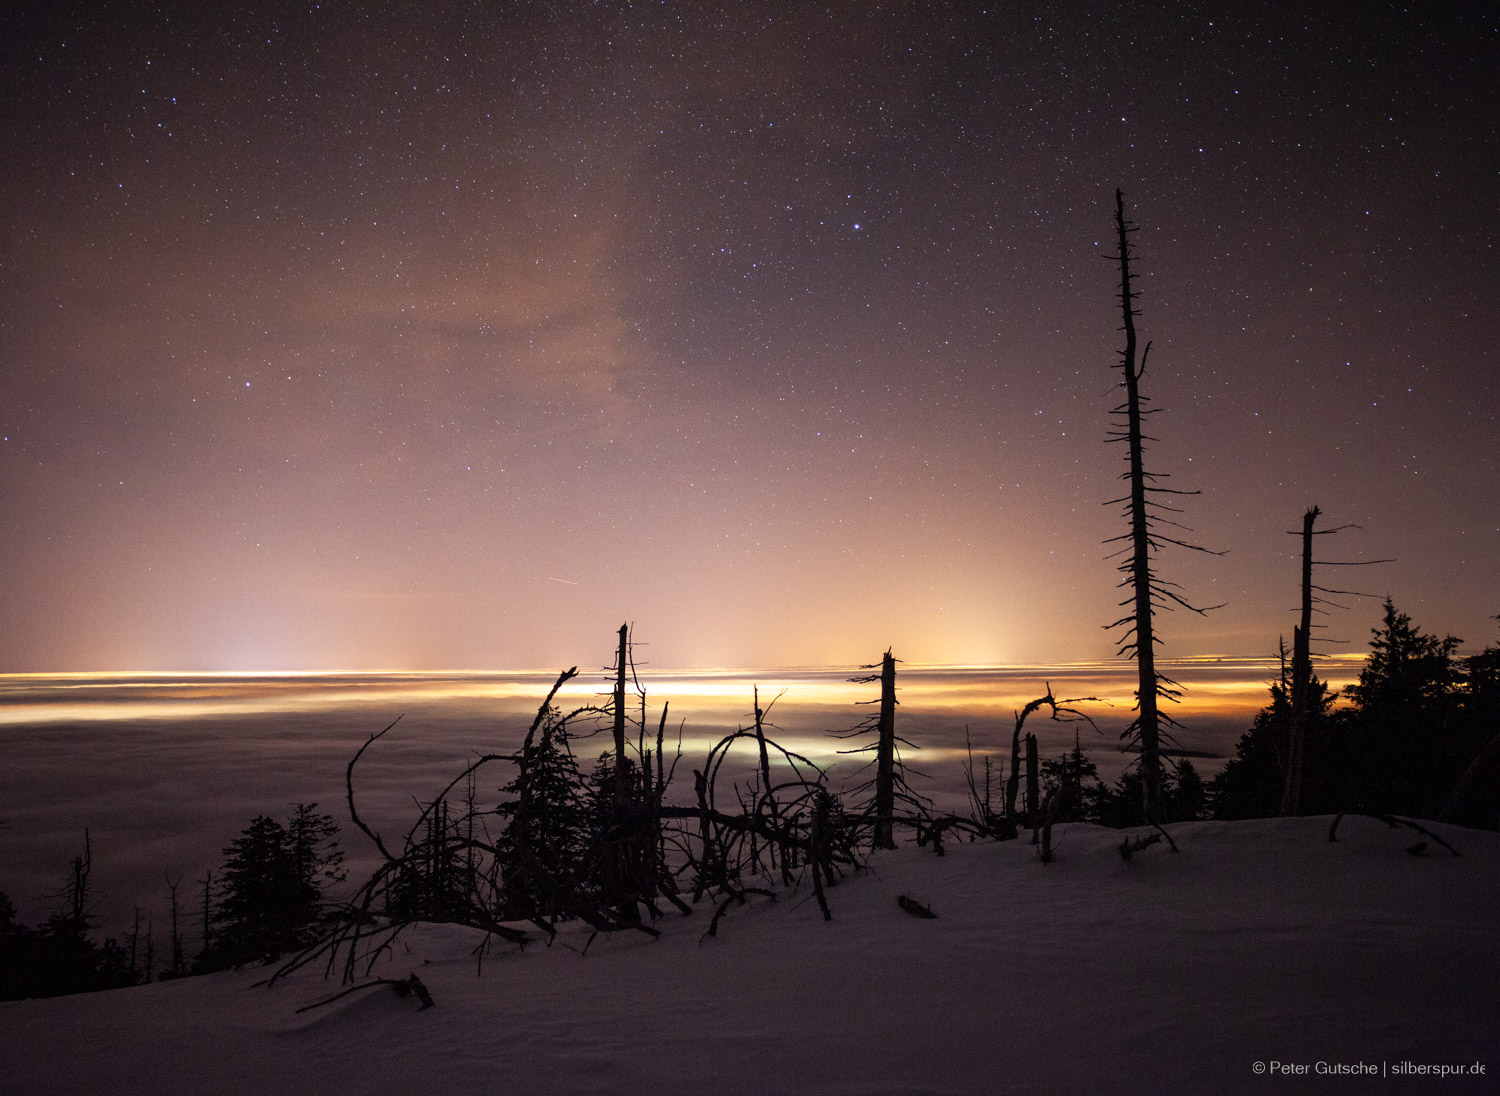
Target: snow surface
(1259,942)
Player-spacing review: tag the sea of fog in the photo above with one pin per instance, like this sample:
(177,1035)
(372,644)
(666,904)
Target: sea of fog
(163,771)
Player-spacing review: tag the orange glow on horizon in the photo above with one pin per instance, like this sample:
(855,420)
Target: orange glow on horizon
(1214,686)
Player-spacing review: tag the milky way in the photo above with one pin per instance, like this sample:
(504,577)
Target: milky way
(452,335)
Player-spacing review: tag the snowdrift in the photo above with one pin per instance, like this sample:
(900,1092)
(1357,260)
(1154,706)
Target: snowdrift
(1261,958)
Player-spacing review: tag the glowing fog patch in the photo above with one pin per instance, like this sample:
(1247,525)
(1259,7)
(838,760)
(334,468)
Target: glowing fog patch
(1220,687)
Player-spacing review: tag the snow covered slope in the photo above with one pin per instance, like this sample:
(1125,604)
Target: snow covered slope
(1259,945)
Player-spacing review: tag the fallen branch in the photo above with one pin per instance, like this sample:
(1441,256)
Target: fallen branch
(1130,846)
(913,907)
(736,894)
(404,987)
(1392,821)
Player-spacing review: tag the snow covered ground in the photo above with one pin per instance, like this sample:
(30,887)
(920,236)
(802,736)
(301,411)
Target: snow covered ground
(1260,946)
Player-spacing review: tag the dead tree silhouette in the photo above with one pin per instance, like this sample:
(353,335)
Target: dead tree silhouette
(1311,603)
(889,784)
(618,872)
(1146,512)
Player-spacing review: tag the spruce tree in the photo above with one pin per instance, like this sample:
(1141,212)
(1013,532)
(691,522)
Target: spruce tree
(271,888)
(1066,779)
(542,850)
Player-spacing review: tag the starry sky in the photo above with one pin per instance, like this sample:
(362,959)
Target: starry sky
(357,336)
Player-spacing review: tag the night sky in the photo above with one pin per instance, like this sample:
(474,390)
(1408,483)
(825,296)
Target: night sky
(356,336)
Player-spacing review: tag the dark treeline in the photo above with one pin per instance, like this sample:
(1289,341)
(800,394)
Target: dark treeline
(60,956)
(1416,736)
(268,897)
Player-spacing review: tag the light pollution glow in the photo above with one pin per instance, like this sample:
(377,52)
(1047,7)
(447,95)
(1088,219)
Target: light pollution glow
(1217,687)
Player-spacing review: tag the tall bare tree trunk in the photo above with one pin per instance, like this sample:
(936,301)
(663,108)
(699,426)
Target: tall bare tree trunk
(208,909)
(765,770)
(885,758)
(178,966)
(1291,798)
(621,775)
(1148,720)
(1033,788)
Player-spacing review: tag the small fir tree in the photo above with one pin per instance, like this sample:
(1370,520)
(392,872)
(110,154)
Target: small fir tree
(1067,780)
(543,848)
(271,888)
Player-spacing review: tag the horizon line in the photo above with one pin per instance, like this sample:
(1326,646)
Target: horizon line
(1086,663)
